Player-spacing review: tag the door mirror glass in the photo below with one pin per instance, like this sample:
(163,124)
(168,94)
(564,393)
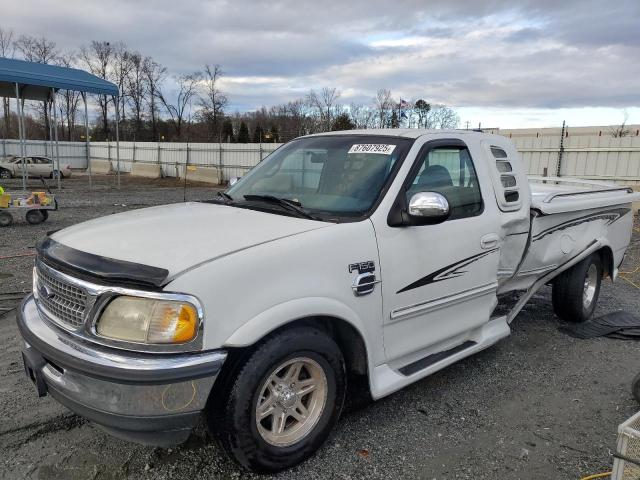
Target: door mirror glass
(428,207)
(233,181)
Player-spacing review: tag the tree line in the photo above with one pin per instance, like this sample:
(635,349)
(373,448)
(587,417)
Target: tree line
(196,109)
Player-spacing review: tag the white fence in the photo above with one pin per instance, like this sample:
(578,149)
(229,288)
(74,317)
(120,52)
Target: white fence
(600,157)
(234,159)
(592,157)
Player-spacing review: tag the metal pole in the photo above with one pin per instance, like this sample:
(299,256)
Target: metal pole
(559,165)
(21,134)
(118,139)
(86,128)
(54,94)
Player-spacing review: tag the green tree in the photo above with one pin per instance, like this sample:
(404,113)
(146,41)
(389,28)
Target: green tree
(422,109)
(258,134)
(343,122)
(273,135)
(243,133)
(395,122)
(227,132)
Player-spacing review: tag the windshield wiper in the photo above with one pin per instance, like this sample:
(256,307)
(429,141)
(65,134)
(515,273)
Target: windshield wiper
(290,205)
(225,196)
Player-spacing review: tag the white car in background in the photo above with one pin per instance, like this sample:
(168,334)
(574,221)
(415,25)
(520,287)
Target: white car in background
(36,166)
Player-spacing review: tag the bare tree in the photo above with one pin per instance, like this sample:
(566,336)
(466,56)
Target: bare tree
(620,131)
(39,50)
(135,86)
(212,100)
(187,90)
(441,116)
(324,104)
(384,106)
(7,50)
(98,58)
(361,116)
(120,73)
(68,101)
(154,74)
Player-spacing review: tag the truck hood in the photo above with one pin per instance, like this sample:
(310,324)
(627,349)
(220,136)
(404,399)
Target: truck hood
(180,236)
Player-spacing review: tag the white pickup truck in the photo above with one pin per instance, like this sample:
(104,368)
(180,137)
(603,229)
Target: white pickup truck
(376,253)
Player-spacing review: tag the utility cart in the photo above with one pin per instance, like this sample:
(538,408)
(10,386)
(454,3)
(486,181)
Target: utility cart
(34,205)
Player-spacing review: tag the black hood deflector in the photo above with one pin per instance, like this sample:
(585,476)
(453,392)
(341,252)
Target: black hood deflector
(96,267)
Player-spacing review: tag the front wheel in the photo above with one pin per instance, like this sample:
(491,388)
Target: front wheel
(283,401)
(575,291)
(55,174)
(5,174)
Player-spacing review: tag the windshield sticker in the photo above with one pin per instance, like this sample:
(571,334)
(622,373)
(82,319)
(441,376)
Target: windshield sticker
(380,148)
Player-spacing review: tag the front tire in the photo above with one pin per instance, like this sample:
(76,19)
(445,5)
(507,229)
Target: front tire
(575,291)
(282,403)
(5,174)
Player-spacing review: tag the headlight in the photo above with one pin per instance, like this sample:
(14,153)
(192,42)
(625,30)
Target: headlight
(147,320)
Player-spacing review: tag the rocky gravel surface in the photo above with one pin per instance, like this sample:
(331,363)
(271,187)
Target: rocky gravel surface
(538,405)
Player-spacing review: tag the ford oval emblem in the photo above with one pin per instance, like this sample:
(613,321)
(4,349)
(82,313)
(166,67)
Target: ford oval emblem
(45,292)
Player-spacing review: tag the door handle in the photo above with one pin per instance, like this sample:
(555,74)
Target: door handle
(490,240)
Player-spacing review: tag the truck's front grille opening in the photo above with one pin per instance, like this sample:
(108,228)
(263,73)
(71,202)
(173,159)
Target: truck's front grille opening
(66,302)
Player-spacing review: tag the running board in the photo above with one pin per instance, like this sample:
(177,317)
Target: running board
(434,358)
(385,379)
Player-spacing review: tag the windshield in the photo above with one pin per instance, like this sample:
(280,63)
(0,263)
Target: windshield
(340,176)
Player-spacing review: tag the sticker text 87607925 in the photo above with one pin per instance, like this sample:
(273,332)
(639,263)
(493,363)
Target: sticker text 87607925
(379,148)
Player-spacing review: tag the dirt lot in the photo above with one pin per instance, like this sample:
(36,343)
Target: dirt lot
(539,405)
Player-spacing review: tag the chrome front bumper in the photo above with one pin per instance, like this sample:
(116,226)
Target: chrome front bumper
(149,398)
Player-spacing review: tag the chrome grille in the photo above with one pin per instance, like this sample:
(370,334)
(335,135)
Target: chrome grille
(65,302)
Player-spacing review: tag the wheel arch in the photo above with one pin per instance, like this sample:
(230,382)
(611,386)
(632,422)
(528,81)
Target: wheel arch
(338,320)
(608,265)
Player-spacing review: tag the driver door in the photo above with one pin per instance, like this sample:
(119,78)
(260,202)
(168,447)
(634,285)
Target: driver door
(439,281)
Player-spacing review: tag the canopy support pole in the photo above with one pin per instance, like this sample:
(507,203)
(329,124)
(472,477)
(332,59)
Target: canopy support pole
(21,134)
(116,100)
(54,94)
(86,128)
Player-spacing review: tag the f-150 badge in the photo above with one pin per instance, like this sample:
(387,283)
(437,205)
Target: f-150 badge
(363,267)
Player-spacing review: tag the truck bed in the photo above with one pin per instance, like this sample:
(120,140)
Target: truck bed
(569,217)
(552,195)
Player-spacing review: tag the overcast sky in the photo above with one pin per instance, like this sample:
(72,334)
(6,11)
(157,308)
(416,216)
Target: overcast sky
(503,63)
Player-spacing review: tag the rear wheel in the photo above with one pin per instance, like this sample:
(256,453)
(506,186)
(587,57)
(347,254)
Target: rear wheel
(575,291)
(4,173)
(5,219)
(283,401)
(35,217)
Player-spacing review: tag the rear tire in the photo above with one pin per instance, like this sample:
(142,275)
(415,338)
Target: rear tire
(5,174)
(267,384)
(575,291)
(34,217)
(5,219)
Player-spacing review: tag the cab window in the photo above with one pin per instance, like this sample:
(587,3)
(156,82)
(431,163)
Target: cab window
(450,172)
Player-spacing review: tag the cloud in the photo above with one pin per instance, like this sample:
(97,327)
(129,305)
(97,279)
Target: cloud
(537,54)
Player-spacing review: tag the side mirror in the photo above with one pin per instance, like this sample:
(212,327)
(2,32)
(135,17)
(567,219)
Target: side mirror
(233,181)
(428,207)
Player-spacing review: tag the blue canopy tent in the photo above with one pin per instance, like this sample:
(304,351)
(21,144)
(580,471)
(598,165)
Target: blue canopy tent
(37,81)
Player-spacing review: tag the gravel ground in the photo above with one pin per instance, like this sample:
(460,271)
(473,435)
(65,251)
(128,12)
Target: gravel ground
(538,405)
